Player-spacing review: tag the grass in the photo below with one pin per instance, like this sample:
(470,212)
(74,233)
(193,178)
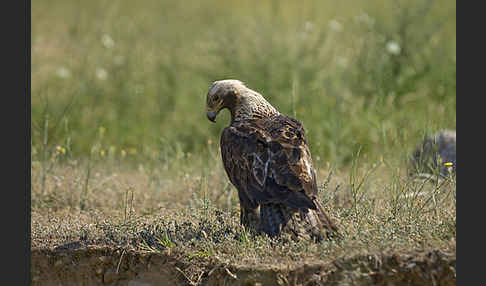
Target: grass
(123,156)
(381,213)
(376,209)
(142,72)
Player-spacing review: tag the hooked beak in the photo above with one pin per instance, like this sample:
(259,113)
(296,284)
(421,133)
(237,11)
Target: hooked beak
(212,115)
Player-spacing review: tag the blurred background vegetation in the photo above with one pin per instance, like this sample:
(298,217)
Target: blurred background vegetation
(129,79)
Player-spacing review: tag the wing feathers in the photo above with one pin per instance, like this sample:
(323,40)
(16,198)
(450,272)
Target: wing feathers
(269,162)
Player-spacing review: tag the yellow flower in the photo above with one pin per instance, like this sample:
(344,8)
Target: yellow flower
(448,164)
(60,150)
(123,152)
(102,153)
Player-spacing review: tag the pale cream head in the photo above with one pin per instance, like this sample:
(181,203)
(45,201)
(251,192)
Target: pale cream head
(242,102)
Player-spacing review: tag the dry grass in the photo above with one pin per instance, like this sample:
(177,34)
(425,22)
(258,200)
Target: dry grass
(376,207)
(187,212)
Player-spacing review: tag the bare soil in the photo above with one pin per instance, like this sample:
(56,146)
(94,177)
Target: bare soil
(74,264)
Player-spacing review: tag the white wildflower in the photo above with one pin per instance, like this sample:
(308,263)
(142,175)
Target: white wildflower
(335,26)
(306,30)
(107,41)
(393,48)
(101,73)
(365,19)
(63,72)
(308,26)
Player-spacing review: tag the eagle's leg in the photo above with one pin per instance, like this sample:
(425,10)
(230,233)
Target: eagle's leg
(250,218)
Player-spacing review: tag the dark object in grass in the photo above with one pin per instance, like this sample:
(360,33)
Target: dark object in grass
(435,155)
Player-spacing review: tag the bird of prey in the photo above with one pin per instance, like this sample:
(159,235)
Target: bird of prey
(266,157)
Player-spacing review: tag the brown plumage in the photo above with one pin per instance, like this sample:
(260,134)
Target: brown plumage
(266,157)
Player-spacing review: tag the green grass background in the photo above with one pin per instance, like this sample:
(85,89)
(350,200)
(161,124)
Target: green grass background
(133,76)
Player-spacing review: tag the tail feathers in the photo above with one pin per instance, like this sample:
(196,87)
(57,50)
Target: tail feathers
(326,222)
(309,224)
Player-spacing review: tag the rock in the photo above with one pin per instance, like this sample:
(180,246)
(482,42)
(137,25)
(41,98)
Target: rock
(435,154)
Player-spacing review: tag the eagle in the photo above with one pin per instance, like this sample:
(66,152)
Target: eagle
(266,157)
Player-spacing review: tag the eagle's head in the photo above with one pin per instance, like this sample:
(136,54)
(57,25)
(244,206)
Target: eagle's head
(242,102)
(222,94)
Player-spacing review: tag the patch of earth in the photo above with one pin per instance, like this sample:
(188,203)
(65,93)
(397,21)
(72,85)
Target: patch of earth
(76,264)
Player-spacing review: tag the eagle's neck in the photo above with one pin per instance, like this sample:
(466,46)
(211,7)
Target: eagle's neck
(251,105)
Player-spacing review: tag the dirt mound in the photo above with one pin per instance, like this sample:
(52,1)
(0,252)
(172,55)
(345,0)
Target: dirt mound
(78,265)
